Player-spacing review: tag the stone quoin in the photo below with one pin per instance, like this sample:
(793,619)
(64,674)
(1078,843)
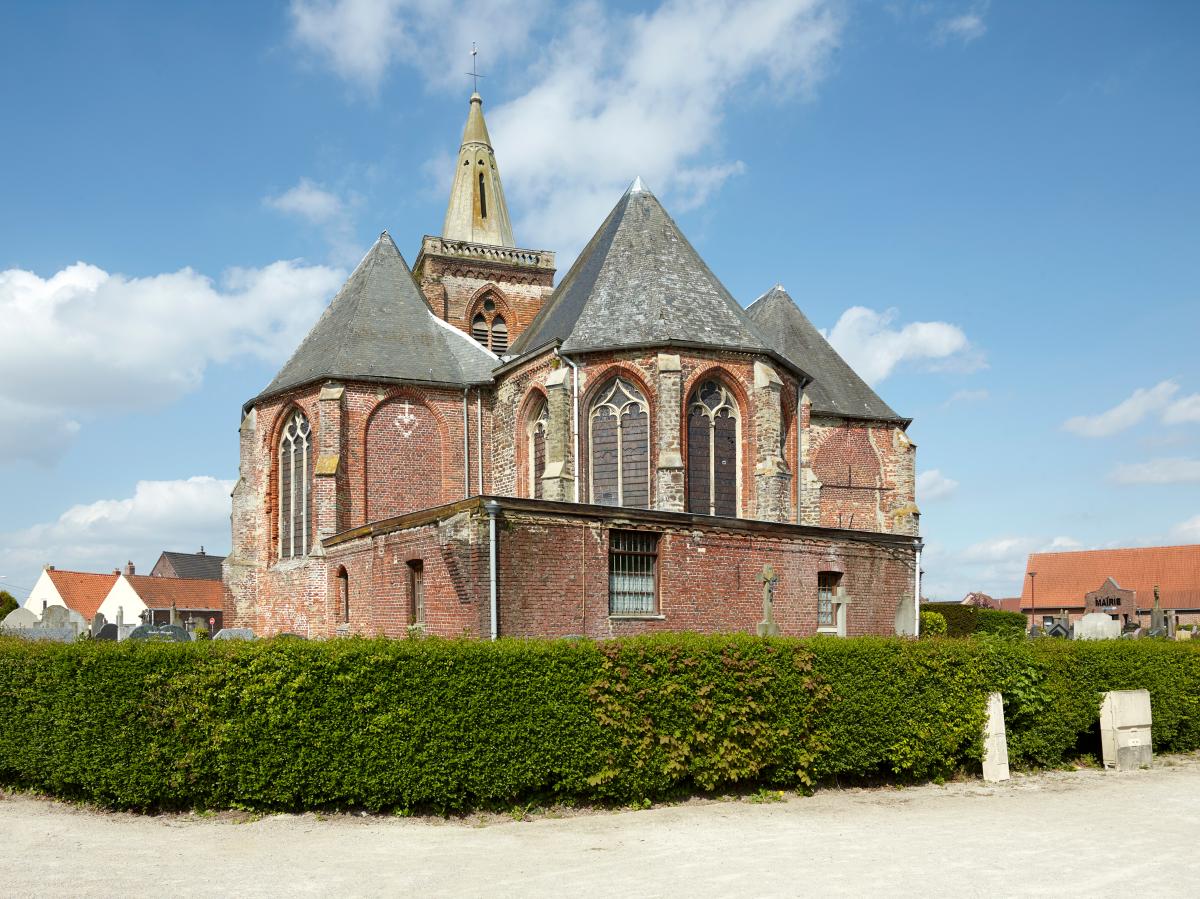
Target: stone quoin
(639,444)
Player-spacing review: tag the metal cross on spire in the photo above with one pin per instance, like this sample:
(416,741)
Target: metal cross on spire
(475,76)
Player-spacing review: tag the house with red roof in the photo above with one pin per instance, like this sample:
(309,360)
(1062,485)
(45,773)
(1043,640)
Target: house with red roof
(156,600)
(1057,583)
(80,591)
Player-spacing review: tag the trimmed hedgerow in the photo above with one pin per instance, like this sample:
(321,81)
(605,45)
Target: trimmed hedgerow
(446,725)
(963,621)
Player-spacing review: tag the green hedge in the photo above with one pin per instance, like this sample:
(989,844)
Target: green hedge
(963,621)
(446,725)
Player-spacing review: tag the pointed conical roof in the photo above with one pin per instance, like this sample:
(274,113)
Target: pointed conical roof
(477,211)
(639,282)
(379,328)
(836,388)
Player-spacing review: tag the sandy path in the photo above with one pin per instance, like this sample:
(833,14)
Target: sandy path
(1083,833)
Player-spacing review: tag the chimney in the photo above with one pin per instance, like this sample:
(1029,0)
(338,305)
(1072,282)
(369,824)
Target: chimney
(201,553)
(48,567)
(129,569)
(116,571)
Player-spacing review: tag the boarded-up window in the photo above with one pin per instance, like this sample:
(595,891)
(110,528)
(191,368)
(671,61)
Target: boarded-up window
(712,464)
(620,447)
(295,479)
(632,573)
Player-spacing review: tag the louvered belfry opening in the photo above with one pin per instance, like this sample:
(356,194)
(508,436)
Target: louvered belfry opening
(712,463)
(295,478)
(632,573)
(499,344)
(620,447)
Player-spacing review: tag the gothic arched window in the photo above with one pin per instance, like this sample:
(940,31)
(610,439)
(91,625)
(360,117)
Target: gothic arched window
(619,447)
(712,464)
(499,344)
(295,479)
(488,326)
(536,437)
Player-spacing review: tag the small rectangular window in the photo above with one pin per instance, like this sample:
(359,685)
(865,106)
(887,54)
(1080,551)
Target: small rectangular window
(416,590)
(632,573)
(827,588)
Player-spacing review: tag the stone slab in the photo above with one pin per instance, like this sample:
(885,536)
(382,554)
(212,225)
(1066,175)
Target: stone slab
(1125,730)
(1097,626)
(995,742)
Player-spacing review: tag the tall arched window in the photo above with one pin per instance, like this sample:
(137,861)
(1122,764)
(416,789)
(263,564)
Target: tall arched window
(295,479)
(343,582)
(536,437)
(712,465)
(619,447)
(489,327)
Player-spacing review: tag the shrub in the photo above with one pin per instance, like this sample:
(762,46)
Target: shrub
(379,724)
(993,621)
(933,624)
(963,621)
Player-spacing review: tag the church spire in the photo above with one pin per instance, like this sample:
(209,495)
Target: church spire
(477,211)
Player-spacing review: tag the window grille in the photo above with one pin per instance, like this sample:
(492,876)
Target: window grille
(416,590)
(632,573)
(295,479)
(619,449)
(827,587)
(712,466)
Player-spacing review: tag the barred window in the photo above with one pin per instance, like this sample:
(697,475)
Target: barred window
(619,448)
(712,464)
(295,478)
(632,573)
(827,588)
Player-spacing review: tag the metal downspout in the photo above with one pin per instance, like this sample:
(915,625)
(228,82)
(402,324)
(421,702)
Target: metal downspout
(479,434)
(493,509)
(917,594)
(466,447)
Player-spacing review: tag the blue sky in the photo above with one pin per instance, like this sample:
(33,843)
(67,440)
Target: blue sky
(991,207)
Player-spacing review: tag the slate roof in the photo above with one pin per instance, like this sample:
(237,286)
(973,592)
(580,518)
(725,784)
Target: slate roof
(1063,579)
(82,591)
(161,592)
(379,328)
(836,388)
(639,282)
(197,566)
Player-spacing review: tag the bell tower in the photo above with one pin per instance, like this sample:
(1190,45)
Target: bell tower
(474,276)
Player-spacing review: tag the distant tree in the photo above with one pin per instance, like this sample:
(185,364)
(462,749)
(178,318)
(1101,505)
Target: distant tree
(8,602)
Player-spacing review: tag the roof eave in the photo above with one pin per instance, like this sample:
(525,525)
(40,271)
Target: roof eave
(804,377)
(360,379)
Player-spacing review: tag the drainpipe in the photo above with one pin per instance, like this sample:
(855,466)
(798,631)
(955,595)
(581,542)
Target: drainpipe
(917,593)
(574,419)
(466,448)
(493,509)
(479,434)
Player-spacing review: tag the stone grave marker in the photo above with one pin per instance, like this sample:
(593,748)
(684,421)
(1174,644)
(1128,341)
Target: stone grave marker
(234,633)
(1097,626)
(767,627)
(167,633)
(98,624)
(19,618)
(1125,733)
(995,742)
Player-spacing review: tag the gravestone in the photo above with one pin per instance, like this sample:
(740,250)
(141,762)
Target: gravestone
(19,619)
(108,632)
(1125,734)
(49,634)
(56,616)
(167,633)
(234,633)
(767,627)
(995,742)
(1097,626)
(287,636)
(98,624)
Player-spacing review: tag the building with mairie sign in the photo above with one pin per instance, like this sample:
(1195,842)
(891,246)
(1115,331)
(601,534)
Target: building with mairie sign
(461,447)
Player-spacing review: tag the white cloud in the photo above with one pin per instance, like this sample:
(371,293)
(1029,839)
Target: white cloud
(867,340)
(995,566)
(179,515)
(1129,412)
(326,211)
(1188,530)
(965,26)
(85,342)
(361,39)
(932,486)
(1185,410)
(1158,471)
(966,397)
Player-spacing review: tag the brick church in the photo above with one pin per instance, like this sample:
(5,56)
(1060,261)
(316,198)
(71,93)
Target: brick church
(462,448)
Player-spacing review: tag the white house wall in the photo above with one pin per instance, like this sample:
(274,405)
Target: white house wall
(122,596)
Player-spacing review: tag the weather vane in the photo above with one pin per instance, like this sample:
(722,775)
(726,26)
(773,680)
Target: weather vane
(475,76)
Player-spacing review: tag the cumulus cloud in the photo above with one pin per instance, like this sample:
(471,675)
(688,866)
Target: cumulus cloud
(995,566)
(874,348)
(965,28)
(324,210)
(1143,403)
(932,486)
(360,39)
(85,342)
(1158,471)
(99,536)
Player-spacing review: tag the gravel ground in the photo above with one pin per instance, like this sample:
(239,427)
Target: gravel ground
(1081,833)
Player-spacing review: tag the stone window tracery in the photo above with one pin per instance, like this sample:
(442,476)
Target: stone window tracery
(619,447)
(295,486)
(536,437)
(488,326)
(713,430)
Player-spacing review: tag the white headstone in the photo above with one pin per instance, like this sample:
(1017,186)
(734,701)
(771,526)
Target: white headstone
(995,742)
(19,618)
(1097,626)
(1125,729)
